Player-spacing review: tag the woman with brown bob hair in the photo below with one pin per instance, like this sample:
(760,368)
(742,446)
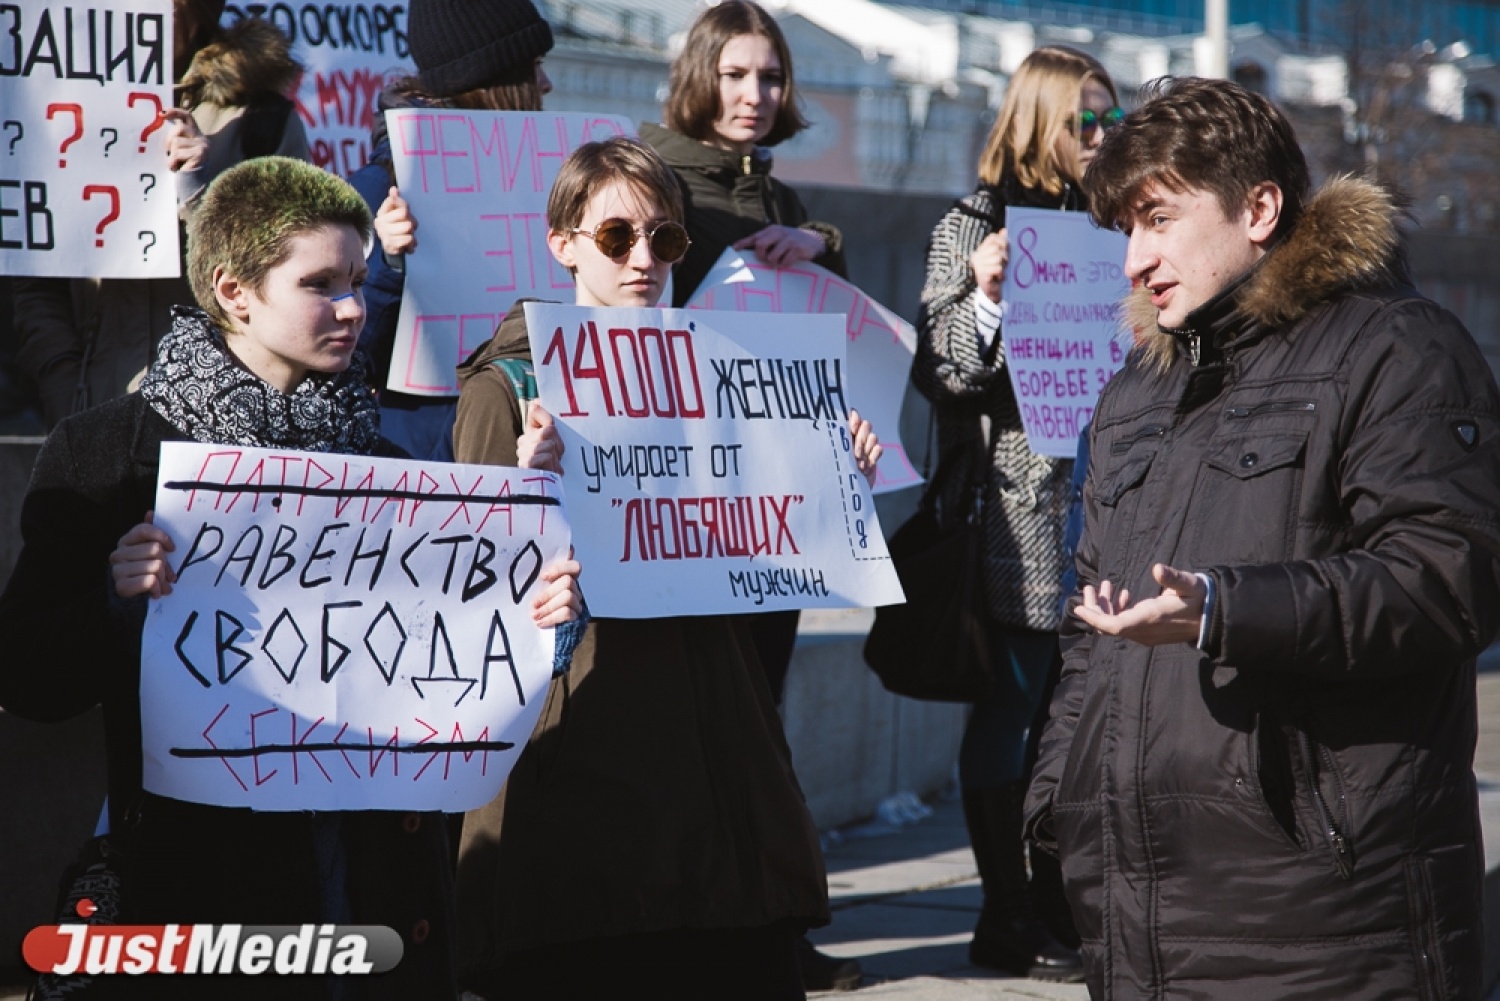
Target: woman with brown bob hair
(1056,109)
(732,95)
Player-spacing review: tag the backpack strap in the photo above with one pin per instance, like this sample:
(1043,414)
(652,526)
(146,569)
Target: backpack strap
(522,378)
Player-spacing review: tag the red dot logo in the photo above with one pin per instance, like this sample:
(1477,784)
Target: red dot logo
(86,908)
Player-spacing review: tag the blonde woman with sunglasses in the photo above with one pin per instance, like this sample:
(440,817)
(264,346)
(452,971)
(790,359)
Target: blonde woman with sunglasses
(1055,112)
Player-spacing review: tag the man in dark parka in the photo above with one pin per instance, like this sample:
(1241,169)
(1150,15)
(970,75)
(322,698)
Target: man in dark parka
(1258,768)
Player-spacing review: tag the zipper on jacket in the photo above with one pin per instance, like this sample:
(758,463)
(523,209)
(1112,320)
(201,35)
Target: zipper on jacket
(745,164)
(1338,842)
(1126,444)
(1276,407)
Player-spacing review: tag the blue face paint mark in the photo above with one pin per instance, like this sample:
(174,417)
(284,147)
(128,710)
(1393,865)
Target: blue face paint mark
(341,298)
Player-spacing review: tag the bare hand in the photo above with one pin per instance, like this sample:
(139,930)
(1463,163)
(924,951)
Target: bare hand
(560,601)
(1174,616)
(139,563)
(988,261)
(186,146)
(395,226)
(540,445)
(867,447)
(783,246)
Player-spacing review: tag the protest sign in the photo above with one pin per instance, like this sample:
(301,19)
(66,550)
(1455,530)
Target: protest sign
(345,632)
(708,461)
(1061,332)
(881,344)
(349,52)
(481,180)
(84,185)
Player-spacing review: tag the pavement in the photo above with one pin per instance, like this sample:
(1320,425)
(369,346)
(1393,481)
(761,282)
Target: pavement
(905,900)
(906,896)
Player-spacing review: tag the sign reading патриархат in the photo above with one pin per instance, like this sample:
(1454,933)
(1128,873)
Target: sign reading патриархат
(345,632)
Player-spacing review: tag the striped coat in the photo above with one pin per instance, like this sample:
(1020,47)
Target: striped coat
(1026,496)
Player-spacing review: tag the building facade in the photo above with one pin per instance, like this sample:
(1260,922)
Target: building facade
(902,95)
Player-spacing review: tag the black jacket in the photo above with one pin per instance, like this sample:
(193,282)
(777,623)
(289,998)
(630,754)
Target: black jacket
(1291,813)
(727,198)
(69,644)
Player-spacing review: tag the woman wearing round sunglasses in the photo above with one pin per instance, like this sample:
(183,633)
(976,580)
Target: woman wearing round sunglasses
(652,840)
(1056,109)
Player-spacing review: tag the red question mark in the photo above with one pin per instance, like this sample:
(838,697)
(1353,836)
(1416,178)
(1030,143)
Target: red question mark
(114,211)
(76,110)
(156,122)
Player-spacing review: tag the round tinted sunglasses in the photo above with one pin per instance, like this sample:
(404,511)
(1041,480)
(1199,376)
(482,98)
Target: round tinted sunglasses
(1088,121)
(614,237)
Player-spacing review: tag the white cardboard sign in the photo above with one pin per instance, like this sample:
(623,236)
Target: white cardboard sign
(1061,332)
(881,344)
(346,632)
(349,52)
(477,182)
(84,185)
(708,461)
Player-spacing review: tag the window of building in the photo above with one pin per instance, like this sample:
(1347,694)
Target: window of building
(1479,107)
(1251,76)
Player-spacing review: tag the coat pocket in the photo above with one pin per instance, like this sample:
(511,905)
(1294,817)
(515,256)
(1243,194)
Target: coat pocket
(1424,936)
(1272,767)
(1252,483)
(1123,478)
(1117,496)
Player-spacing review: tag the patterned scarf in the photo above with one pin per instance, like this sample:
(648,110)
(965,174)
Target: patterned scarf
(204,392)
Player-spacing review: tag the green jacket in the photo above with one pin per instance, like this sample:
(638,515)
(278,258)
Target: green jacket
(726,198)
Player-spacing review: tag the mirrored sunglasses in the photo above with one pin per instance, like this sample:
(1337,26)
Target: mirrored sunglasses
(614,237)
(1088,121)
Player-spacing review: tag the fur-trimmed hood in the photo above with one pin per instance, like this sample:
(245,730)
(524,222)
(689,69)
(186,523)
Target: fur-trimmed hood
(1346,239)
(251,59)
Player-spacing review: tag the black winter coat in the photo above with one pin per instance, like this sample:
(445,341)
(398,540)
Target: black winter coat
(1290,813)
(69,644)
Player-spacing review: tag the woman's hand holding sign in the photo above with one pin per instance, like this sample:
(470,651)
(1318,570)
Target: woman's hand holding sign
(782,246)
(395,225)
(540,446)
(139,563)
(560,601)
(867,447)
(988,262)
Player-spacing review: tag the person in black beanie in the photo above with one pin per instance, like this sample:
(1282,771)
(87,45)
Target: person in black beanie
(475,54)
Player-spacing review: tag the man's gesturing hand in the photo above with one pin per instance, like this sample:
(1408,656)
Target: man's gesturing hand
(1174,616)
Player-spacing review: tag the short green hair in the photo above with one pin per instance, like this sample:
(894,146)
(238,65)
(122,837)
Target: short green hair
(250,214)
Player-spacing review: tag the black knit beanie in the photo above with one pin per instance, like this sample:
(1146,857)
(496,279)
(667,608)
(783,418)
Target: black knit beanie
(459,45)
